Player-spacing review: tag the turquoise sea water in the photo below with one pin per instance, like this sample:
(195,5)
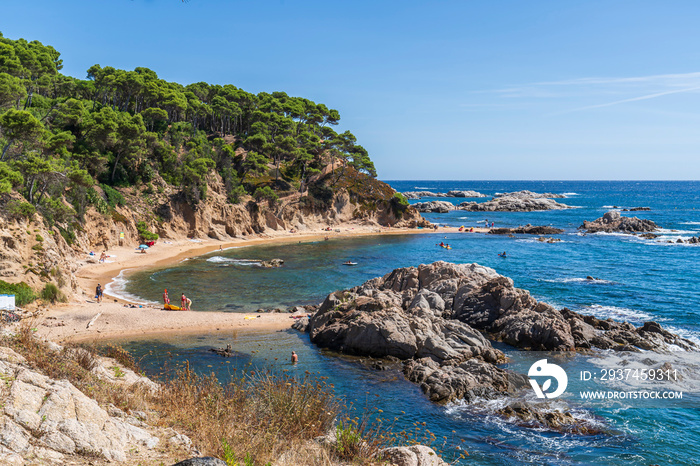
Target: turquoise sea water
(640,280)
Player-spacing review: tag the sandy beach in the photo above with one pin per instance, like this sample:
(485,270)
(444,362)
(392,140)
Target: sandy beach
(84,319)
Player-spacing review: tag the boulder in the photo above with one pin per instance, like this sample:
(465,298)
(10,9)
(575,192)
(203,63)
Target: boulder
(272,263)
(415,455)
(612,221)
(441,207)
(513,204)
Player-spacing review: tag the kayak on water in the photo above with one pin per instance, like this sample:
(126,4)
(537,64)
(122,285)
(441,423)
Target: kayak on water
(349,263)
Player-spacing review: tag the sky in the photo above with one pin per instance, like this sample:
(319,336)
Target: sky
(471,90)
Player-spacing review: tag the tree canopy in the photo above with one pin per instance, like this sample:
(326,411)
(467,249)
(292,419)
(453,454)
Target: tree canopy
(60,136)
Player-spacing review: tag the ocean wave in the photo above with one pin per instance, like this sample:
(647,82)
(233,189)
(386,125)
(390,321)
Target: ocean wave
(231,261)
(610,207)
(421,187)
(666,231)
(690,223)
(117,289)
(569,194)
(622,314)
(535,240)
(595,281)
(691,335)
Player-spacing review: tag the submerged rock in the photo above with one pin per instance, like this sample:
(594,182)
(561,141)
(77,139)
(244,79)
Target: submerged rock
(272,263)
(612,221)
(527,230)
(225,352)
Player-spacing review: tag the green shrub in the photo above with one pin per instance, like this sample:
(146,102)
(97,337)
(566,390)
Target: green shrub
(398,204)
(23,292)
(144,233)
(39,238)
(95,199)
(114,197)
(68,234)
(20,209)
(52,293)
(265,193)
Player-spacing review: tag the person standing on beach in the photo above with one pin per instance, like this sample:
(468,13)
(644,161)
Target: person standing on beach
(166,299)
(189,304)
(183,302)
(98,293)
(295,358)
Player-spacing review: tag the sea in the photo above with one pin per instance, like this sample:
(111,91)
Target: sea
(636,280)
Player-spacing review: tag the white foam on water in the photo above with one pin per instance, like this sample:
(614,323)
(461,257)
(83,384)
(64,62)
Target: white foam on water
(690,223)
(420,187)
(228,260)
(535,240)
(611,207)
(578,280)
(691,335)
(569,194)
(616,313)
(666,231)
(117,289)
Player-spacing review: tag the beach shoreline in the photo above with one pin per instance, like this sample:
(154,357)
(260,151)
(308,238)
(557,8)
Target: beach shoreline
(84,320)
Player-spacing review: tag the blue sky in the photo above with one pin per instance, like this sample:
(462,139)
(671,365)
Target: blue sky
(433,90)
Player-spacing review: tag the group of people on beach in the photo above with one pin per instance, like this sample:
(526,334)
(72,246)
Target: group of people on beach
(185,302)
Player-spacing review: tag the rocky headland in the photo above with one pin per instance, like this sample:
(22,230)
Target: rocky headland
(612,222)
(438,320)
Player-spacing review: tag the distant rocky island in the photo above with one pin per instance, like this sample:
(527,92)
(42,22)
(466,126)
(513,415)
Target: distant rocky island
(521,201)
(453,193)
(612,221)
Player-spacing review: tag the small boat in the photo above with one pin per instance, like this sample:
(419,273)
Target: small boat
(349,263)
(171,307)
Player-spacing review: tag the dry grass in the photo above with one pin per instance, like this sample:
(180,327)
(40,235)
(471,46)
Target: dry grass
(259,416)
(256,419)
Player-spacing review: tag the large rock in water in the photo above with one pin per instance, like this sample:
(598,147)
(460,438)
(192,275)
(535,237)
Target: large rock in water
(513,204)
(432,316)
(441,207)
(612,221)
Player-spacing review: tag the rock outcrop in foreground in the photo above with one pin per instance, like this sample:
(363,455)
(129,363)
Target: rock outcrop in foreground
(432,317)
(612,221)
(51,420)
